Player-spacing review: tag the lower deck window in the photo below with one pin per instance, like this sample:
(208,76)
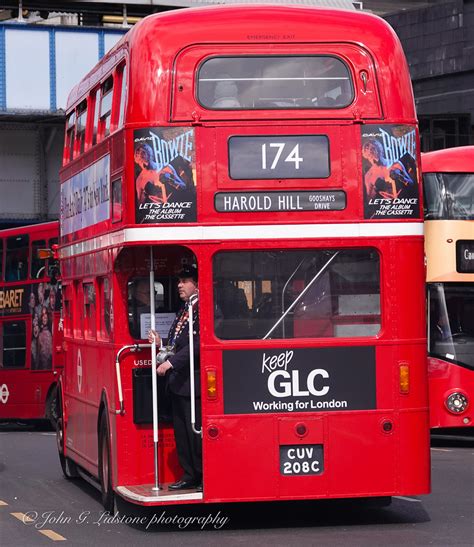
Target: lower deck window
(14,344)
(451,322)
(296,294)
(139,314)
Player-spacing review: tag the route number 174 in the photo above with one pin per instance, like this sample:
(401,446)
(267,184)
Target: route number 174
(275,155)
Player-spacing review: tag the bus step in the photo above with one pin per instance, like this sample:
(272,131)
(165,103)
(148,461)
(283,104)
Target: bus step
(144,493)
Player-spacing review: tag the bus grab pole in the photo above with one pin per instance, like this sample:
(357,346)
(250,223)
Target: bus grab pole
(154,387)
(193,300)
(300,296)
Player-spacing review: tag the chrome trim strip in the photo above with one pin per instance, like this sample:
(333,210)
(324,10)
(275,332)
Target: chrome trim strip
(164,497)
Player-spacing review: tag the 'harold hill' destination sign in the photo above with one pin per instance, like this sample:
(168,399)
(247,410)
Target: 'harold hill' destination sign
(252,202)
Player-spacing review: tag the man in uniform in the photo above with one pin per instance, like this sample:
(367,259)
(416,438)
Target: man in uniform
(176,367)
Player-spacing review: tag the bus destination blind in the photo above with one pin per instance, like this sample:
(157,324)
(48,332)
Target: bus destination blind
(254,202)
(465,256)
(279,157)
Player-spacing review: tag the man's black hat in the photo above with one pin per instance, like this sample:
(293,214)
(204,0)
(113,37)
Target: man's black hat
(189,271)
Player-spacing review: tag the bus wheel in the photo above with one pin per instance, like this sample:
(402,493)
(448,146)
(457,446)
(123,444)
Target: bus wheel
(108,500)
(67,465)
(51,410)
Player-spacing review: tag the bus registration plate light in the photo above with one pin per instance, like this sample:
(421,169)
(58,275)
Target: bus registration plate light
(301,429)
(301,459)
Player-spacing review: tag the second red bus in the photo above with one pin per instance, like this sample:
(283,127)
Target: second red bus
(31,353)
(448,177)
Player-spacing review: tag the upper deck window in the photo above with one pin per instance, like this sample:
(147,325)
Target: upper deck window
(123,95)
(81,126)
(69,144)
(95,128)
(274,82)
(106,107)
(449,196)
(38,269)
(17,258)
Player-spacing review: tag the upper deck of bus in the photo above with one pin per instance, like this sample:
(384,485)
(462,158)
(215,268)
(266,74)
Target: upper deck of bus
(450,160)
(22,243)
(163,46)
(162,60)
(32,230)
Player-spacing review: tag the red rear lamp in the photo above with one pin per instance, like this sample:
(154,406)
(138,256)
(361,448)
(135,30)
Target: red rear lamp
(213,431)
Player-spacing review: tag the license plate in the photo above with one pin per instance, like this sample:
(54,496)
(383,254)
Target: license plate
(301,459)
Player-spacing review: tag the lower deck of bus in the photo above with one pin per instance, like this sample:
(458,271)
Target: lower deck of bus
(301,363)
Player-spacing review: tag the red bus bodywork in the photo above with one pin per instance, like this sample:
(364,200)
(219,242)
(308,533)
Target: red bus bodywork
(28,381)
(448,240)
(381,451)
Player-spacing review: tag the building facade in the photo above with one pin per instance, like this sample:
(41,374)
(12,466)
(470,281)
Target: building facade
(439,44)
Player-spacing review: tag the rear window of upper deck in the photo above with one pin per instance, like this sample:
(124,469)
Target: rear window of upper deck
(274,82)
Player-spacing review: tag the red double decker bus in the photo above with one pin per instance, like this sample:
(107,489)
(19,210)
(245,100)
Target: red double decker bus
(30,335)
(448,186)
(285,165)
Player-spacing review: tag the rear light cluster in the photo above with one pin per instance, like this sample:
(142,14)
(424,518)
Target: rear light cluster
(404,378)
(211,384)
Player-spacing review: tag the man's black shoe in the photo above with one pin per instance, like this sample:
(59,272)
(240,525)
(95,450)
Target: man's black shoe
(182,485)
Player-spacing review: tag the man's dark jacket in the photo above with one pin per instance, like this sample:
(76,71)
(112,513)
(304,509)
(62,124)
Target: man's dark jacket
(178,377)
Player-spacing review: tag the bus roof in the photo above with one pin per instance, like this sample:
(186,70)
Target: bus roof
(31,229)
(158,39)
(450,160)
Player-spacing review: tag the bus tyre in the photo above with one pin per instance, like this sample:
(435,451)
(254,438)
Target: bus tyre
(108,500)
(51,410)
(67,465)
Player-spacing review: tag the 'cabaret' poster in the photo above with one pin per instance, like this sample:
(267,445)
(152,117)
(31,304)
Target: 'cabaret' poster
(165,189)
(389,171)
